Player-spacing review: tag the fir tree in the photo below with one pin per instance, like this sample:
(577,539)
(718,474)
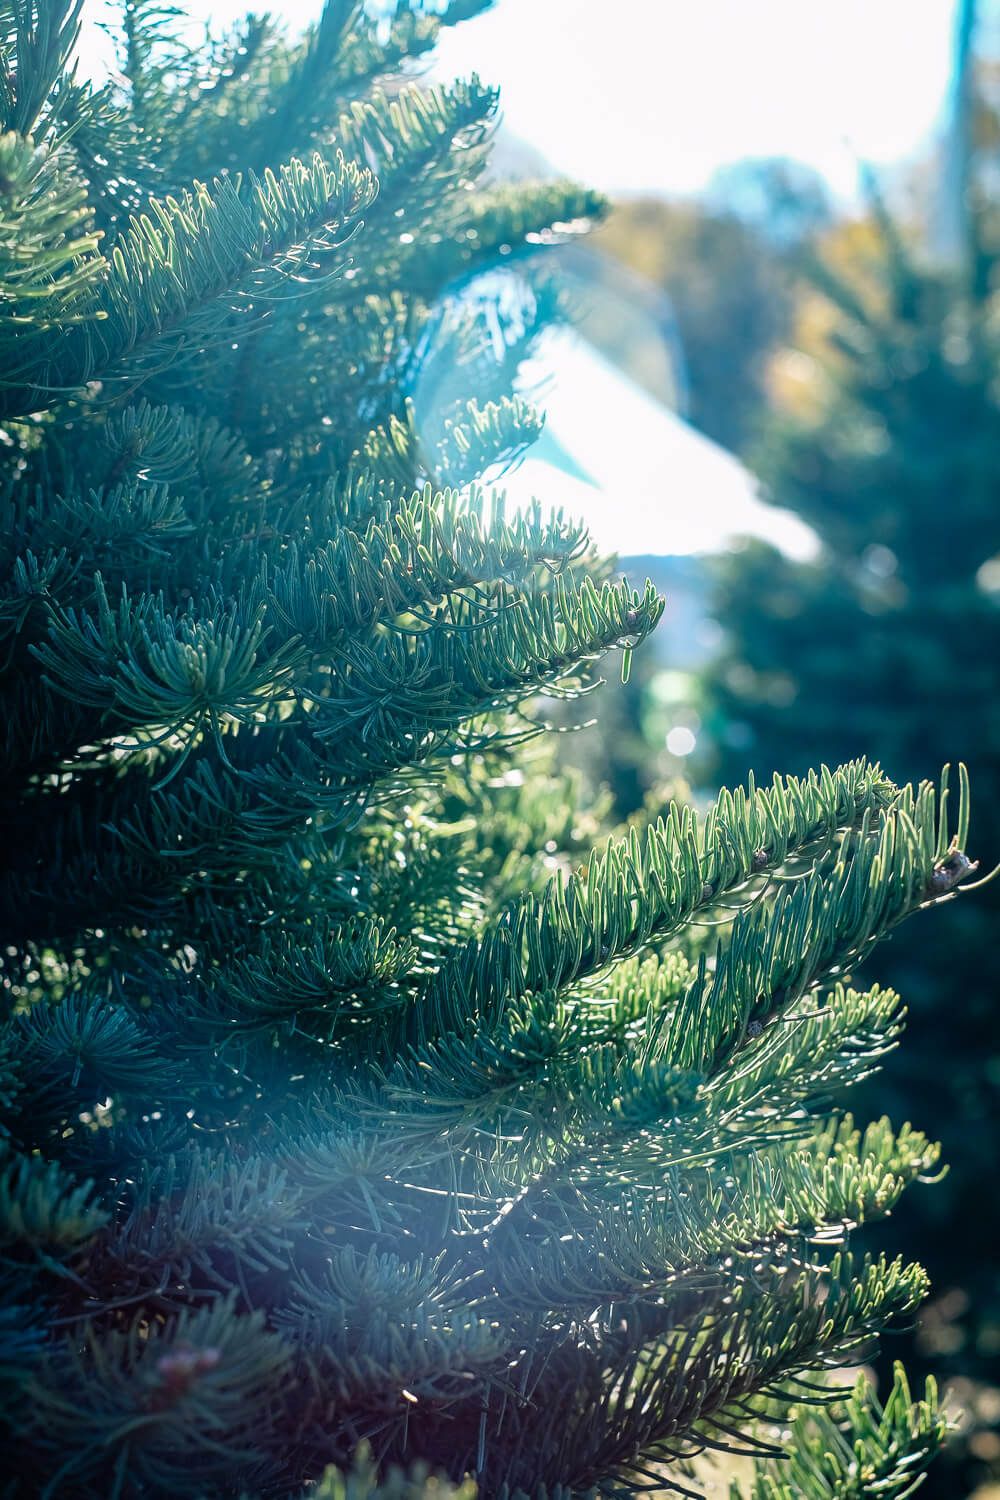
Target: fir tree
(889,640)
(358,1129)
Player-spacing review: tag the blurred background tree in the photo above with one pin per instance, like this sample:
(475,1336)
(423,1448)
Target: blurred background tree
(884,434)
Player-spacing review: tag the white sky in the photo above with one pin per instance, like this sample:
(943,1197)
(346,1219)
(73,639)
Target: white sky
(653,95)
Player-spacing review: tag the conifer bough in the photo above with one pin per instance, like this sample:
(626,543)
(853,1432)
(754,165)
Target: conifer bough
(362,1133)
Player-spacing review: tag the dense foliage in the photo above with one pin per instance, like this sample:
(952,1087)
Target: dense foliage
(351,1118)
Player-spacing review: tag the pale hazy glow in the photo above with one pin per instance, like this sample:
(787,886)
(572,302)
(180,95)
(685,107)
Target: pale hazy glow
(654,95)
(646,482)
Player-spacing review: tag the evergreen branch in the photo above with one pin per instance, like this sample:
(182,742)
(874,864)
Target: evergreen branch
(857,1448)
(335,975)
(143,665)
(175,274)
(48,264)
(195,1227)
(156,56)
(201,1385)
(644,889)
(407,132)
(641,1407)
(823,1042)
(472,440)
(433,545)
(824,923)
(43,1210)
(41,45)
(362,1482)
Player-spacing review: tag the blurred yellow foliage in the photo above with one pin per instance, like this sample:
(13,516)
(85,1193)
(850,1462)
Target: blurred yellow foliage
(798,374)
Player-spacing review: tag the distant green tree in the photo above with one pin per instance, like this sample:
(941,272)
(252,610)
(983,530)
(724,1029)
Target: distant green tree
(891,639)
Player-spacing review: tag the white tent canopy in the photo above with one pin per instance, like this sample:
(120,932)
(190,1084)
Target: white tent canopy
(643,480)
